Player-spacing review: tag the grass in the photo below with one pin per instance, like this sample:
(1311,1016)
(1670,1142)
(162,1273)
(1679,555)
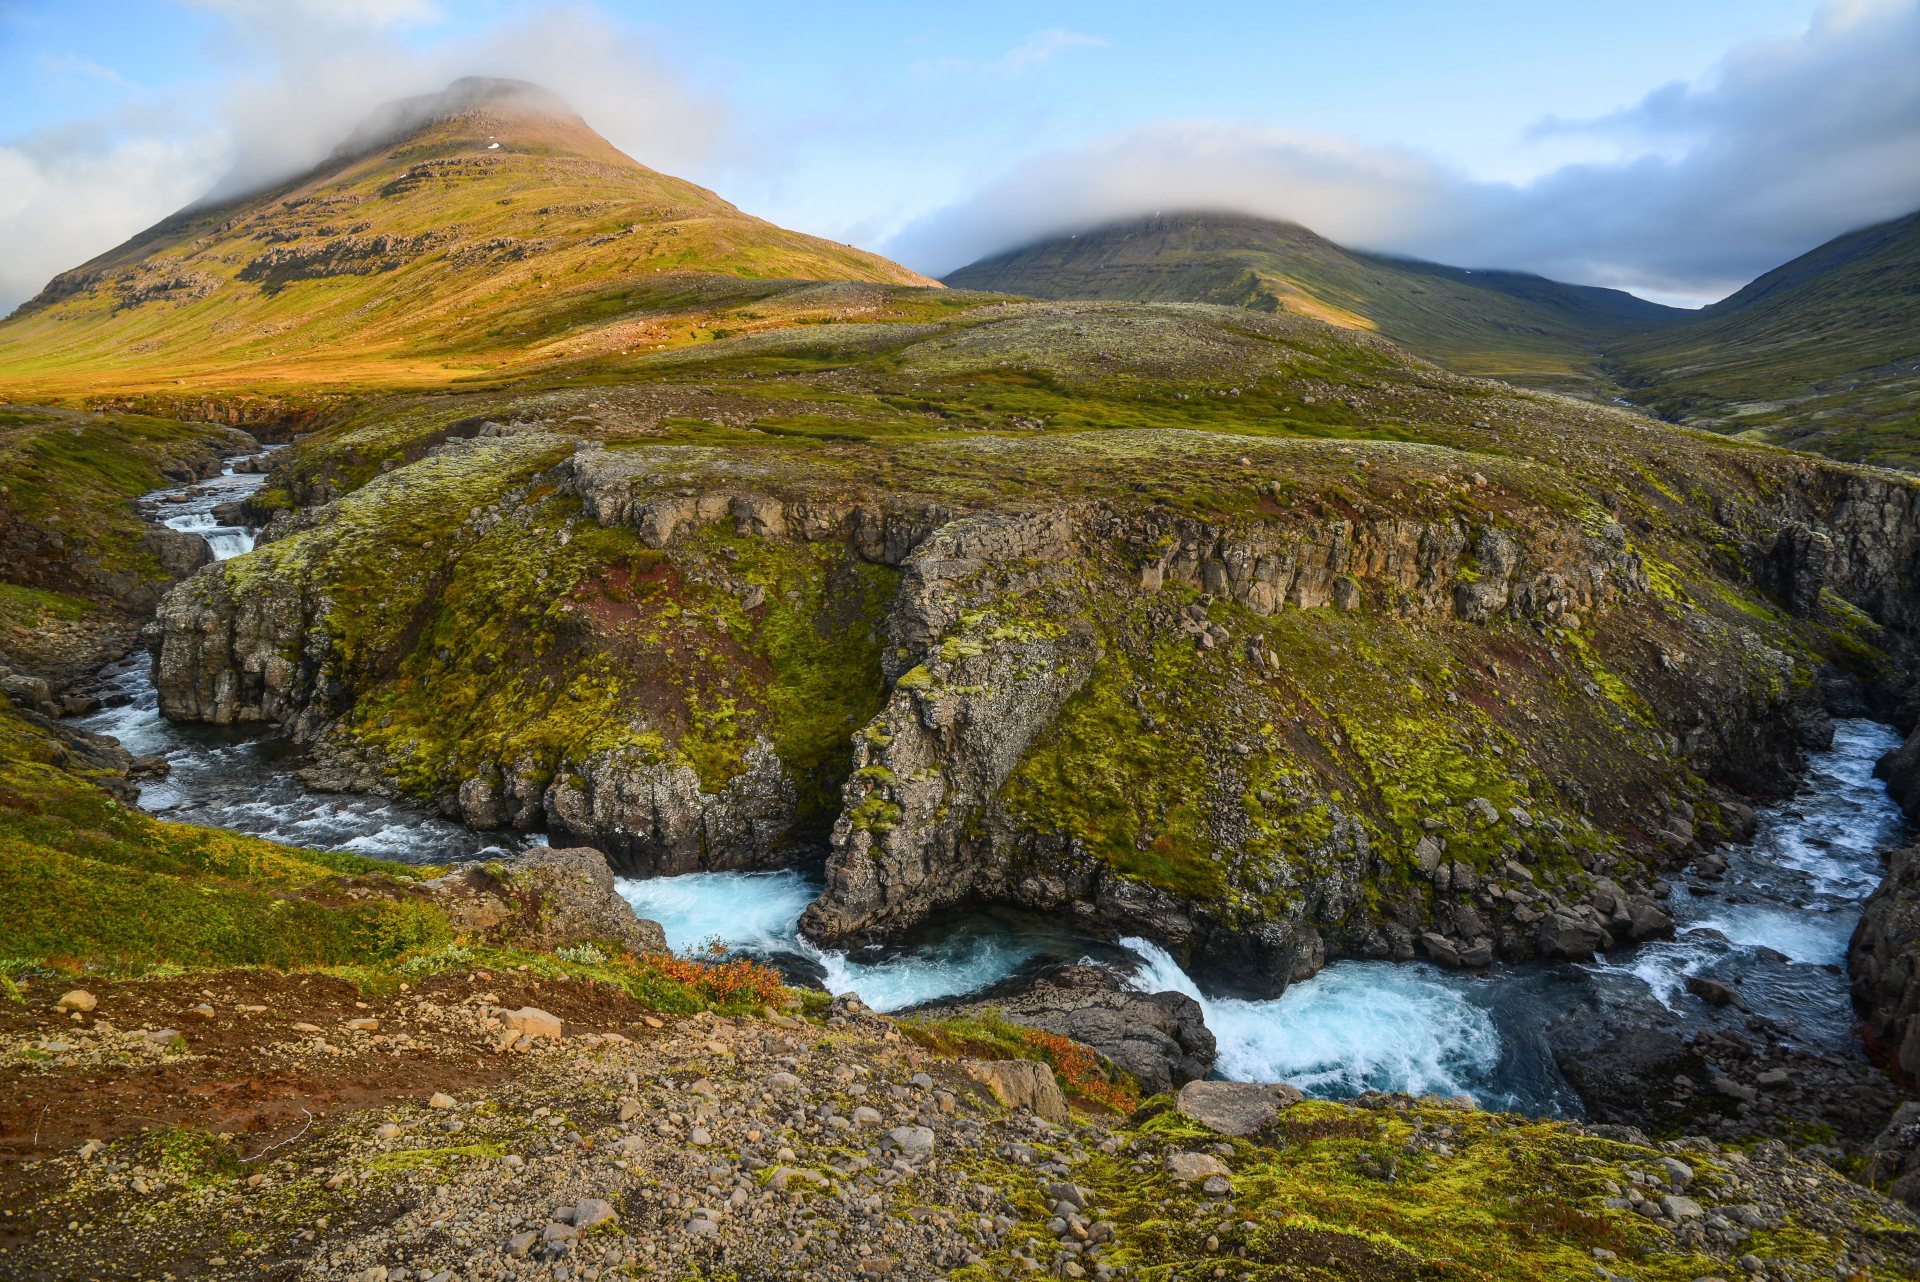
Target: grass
(482,641)
(1818,354)
(87,883)
(69,477)
(84,876)
(1490,323)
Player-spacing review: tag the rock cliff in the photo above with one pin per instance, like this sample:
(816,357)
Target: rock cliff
(1884,961)
(1263,699)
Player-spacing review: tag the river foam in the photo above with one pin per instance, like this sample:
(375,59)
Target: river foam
(1355,1026)
(759,913)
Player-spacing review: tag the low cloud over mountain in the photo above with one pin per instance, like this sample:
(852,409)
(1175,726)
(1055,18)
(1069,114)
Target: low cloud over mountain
(303,76)
(1784,145)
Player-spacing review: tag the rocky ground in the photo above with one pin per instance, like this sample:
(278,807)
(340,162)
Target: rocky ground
(246,1124)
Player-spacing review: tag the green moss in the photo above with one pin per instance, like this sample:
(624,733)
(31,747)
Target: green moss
(72,475)
(82,876)
(1335,1191)
(27,607)
(1138,800)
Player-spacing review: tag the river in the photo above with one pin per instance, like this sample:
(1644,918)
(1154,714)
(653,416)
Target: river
(1777,925)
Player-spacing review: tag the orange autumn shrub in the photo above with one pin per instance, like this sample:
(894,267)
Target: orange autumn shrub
(737,983)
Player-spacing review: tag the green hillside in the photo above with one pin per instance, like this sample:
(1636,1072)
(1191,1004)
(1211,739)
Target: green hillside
(1820,354)
(465,232)
(1509,325)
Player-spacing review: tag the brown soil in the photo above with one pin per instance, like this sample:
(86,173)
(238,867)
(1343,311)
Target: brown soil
(236,1082)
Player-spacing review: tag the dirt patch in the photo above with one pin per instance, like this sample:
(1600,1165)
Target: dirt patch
(254,1072)
(1318,1256)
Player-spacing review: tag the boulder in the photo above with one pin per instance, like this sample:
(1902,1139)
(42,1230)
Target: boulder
(179,553)
(1628,1079)
(593,1211)
(531,1021)
(1647,919)
(1162,1039)
(546,898)
(1235,1108)
(1677,1208)
(26,691)
(914,1142)
(1714,993)
(1066,1192)
(1195,1166)
(1440,948)
(1021,1083)
(1565,937)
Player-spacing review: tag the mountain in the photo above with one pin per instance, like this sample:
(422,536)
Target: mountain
(1508,324)
(1822,353)
(448,235)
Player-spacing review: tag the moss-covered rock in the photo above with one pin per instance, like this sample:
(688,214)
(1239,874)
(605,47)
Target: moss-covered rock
(1388,662)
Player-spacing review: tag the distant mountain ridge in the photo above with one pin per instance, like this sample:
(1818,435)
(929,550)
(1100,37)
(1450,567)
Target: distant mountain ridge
(1508,324)
(1821,353)
(448,234)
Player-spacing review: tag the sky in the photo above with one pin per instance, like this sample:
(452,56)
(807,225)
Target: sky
(1676,148)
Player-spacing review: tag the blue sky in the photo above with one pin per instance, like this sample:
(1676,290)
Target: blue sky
(1673,148)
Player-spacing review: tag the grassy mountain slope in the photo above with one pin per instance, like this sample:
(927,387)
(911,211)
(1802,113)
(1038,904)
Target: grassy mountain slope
(1506,324)
(1822,353)
(450,235)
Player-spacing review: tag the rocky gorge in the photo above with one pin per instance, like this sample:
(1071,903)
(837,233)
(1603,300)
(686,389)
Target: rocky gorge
(1377,700)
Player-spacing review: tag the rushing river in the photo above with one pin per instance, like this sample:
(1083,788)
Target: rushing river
(235,777)
(1357,1025)
(1777,925)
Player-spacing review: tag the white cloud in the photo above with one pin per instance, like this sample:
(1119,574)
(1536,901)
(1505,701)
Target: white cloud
(304,74)
(1785,144)
(67,66)
(347,14)
(1044,46)
(1036,50)
(60,206)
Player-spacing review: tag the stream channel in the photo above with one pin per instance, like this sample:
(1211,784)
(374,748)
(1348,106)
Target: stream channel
(1778,924)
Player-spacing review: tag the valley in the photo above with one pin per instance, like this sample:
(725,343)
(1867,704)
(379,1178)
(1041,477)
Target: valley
(1818,354)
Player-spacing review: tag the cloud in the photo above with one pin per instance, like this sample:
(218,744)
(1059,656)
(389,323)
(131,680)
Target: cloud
(64,199)
(67,67)
(1036,50)
(1783,145)
(1043,46)
(301,75)
(343,14)
(320,89)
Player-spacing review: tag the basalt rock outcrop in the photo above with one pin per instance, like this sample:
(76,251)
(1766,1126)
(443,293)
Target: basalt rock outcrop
(1162,1039)
(1261,701)
(544,898)
(1901,769)
(1883,959)
(1730,1080)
